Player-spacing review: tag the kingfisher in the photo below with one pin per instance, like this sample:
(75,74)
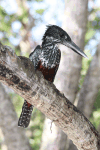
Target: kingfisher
(46,58)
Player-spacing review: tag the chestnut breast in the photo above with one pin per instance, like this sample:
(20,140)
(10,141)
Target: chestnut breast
(48,73)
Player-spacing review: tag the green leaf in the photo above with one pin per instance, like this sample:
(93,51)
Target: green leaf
(40,11)
(89,35)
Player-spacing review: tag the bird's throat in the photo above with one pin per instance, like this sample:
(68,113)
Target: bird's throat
(50,55)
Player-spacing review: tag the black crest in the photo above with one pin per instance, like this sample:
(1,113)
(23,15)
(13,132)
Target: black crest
(55,32)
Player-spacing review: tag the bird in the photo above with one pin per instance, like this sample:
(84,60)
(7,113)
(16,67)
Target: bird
(46,58)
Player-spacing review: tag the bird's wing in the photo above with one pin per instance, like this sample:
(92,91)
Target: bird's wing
(35,56)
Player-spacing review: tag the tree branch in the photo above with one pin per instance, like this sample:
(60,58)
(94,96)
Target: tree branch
(18,73)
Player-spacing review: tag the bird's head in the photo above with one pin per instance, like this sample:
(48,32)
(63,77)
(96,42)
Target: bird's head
(55,34)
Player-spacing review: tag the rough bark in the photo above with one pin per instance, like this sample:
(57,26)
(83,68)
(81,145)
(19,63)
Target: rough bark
(90,86)
(14,136)
(18,73)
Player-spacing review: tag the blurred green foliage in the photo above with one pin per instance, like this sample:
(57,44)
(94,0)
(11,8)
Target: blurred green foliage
(85,66)
(95,117)
(5,26)
(97,102)
(90,33)
(40,11)
(95,19)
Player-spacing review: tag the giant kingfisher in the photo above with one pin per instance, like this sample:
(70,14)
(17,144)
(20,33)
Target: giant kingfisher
(46,58)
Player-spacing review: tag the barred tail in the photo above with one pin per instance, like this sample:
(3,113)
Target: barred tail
(25,116)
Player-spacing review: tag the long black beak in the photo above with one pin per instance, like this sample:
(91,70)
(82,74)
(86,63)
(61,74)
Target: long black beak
(75,48)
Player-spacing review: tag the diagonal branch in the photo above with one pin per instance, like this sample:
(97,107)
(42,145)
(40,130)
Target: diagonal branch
(18,73)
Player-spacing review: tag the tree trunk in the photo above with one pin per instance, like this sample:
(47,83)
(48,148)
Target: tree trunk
(75,21)
(14,136)
(25,44)
(67,78)
(90,86)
